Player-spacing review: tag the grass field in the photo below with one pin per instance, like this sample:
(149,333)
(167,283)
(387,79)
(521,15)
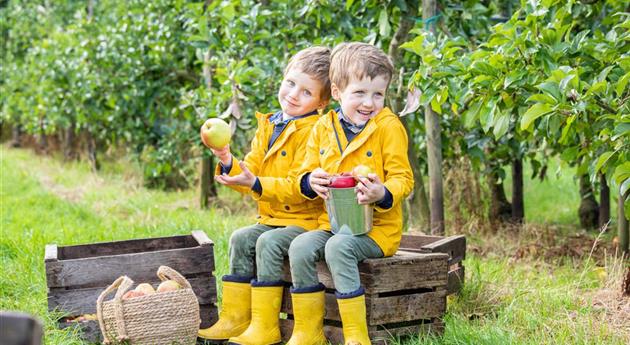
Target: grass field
(508,299)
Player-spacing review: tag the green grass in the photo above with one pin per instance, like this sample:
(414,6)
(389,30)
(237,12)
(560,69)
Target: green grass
(43,201)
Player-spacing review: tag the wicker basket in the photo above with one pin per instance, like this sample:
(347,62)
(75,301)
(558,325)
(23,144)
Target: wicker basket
(164,318)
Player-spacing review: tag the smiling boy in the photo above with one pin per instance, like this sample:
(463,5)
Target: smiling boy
(363,131)
(252,294)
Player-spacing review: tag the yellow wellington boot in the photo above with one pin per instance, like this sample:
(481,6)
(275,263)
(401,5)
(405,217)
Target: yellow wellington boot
(235,314)
(264,329)
(308,310)
(354,320)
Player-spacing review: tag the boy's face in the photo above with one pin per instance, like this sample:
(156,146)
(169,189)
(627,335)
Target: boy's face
(299,93)
(361,99)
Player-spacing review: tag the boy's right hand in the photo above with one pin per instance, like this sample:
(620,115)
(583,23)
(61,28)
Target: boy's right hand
(224,154)
(319,181)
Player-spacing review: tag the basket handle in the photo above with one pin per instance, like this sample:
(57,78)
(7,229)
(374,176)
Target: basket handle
(122,284)
(166,273)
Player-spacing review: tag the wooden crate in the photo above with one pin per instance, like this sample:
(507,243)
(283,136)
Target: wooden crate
(405,294)
(76,275)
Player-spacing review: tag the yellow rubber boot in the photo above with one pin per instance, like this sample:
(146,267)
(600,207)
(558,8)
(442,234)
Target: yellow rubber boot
(354,320)
(235,314)
(264,329)
(308,310)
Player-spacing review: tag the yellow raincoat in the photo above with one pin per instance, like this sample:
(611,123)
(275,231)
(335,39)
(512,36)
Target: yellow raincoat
(382,146)
(281,203)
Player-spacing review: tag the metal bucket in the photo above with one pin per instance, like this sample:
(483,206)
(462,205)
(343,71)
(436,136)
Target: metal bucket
(345,214)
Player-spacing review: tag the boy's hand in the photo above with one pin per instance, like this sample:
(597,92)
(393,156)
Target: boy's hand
(224,154)
(319,181)
(370,189)
(245,178)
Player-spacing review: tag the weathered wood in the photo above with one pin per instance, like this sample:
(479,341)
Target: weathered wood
(89,330)
(201,238)
(416,240)
(209,315)
(385,310)
(50,253)
(455,280)
(454,246)
(98,271)
(19,329)
(402,272)
(83,301)
(378,334)
(126,247)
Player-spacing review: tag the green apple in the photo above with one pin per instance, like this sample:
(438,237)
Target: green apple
(216,133)
(361,171)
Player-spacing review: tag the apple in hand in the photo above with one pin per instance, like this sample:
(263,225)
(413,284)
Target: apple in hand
(216,133)
(342,182)
(361,171)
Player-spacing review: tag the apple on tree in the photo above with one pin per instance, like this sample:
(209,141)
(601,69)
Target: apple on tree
(216,133)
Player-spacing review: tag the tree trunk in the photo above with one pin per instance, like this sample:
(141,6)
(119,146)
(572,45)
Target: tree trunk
(500,207)
(16,135)
(589,210)
(91,151)
(208,187)
(42,143)
(604,202)
(418,212)
(518,203)
(434,146)
(622,224)
(69,143)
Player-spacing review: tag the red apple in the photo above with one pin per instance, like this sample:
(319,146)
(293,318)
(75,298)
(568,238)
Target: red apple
(343,182)
(361,171)
(133,294)
(216,133)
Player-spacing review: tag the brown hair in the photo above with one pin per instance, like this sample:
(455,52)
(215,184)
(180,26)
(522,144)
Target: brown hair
(314,61)
(359,60)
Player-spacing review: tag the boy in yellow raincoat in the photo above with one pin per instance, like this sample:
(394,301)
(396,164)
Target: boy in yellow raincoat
(250,309)
(364,132)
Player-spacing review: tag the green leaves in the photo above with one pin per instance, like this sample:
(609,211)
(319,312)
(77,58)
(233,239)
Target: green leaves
(534,112)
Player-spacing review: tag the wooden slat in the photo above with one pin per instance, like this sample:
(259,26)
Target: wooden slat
(455,280)
(102,271)
(413,240)
(19,328)
(201,238)
(403,272)
(454,246)
(209,315)
(378,335)
(83,301)
(126,247)
(391,309)
(50,253)
(89,331)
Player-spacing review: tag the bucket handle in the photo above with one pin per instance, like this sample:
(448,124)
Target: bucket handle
(166,273)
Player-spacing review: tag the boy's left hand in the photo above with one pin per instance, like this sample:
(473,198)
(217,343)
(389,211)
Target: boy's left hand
(245,178)
(370,189)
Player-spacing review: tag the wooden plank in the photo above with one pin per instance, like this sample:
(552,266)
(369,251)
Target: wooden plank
(417,240)
(102,271)
(50,253)
(454,246)
(126,247)
(209,315)
(455,280)
(404,272)
(76,302)
(378,334)
(386,310)
(89,331)
(201,238)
